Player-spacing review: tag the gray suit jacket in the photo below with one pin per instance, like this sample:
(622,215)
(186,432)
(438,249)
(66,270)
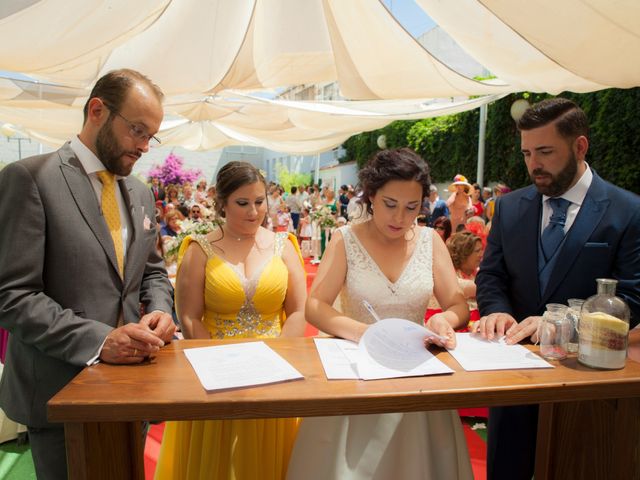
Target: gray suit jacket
(60,291)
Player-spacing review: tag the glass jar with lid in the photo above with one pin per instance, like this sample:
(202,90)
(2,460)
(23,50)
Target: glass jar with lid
(604,328)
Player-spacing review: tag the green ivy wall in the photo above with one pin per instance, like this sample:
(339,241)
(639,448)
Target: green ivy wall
(450,143)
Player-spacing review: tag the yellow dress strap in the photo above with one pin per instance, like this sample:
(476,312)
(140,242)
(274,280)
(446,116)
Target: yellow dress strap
(202,242)
(281,238)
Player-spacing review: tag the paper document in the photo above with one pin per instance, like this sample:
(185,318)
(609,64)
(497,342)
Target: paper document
(239,365)
(474,353)
(338,357)
(394,347)
(389,348)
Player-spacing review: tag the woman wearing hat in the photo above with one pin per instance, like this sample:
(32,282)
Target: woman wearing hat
(459,203)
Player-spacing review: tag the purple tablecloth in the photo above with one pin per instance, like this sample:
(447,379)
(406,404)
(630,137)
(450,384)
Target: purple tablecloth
(4,338)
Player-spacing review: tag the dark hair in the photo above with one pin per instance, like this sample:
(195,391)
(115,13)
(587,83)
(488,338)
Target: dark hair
(570,120)
(294,189)
(387,165)
(421,220)
(113,87)
(461,245)
(184,210)
(445,223)
(231,177)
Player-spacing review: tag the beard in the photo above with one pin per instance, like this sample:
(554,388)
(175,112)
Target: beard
(110,152)
(560,182)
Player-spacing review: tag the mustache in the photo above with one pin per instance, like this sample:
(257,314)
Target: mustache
(539,171)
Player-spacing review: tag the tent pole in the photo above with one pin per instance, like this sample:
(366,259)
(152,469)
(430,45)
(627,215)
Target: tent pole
(481,139)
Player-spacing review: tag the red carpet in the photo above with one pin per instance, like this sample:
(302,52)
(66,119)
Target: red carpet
(475,443)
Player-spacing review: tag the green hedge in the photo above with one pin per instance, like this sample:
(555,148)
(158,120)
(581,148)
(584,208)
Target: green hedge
(450,143)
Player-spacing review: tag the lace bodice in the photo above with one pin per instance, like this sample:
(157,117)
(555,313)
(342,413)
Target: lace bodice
(407,297)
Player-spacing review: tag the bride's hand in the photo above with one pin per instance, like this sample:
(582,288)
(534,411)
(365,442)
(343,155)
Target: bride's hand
(438,324)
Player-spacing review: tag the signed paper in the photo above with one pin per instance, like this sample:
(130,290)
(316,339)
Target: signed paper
(239,365)
(394,347)
(474,353)
(390,348)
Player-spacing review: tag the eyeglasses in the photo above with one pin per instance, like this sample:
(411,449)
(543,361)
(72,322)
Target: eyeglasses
(137,130)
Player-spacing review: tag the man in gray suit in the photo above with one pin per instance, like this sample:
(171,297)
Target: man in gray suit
(80,278)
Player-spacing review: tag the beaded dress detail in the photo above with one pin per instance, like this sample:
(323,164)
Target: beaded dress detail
(240,307)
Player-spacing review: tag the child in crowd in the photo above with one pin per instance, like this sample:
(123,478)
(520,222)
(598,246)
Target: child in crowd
(285,224)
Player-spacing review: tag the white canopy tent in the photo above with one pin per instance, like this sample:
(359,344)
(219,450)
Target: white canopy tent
(212,56)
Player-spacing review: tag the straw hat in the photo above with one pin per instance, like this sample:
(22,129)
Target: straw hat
(459,180)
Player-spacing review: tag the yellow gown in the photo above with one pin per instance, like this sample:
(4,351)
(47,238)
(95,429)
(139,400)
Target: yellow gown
(235,307)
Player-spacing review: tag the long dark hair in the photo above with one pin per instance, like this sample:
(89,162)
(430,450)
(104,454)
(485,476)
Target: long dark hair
(396,164)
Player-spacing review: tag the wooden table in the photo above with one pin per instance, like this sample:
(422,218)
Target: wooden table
(589,423)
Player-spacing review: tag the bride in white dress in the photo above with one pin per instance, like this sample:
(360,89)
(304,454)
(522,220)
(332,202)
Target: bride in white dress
(396,266)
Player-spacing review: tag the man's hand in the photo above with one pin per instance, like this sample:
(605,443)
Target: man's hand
(494,325)
(161,324)
(131,343)
(439,324)
(528,327)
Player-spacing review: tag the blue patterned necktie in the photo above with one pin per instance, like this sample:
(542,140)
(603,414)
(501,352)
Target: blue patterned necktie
(554,232)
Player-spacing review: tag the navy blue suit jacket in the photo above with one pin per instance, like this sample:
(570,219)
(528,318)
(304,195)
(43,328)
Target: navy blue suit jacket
(439,210)
(604,241)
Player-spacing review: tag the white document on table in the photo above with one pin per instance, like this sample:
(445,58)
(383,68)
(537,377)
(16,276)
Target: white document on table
(475,353)
(394,347)
(338,357)
(390,348)
(239,365)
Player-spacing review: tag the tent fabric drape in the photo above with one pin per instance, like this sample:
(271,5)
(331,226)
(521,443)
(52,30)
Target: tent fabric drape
(212,57)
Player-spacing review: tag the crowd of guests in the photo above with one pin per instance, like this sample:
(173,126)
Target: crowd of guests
(288,211)
(463,222)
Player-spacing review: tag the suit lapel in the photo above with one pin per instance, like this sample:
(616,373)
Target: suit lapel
(85,197)
(529,209)
(135,213)
(591,212)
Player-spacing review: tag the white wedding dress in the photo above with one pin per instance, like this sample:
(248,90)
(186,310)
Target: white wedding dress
(406,446)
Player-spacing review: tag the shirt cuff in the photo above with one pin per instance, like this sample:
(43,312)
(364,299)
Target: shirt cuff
(96,358)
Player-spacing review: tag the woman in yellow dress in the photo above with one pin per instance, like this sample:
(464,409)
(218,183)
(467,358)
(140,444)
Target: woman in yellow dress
(239,281)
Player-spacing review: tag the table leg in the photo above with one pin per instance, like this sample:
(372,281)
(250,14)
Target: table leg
(598,439)
(106,450)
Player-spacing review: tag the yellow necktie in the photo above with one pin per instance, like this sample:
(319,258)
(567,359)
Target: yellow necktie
(111,214)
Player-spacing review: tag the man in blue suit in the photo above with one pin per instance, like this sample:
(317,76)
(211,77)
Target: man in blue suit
(548,243)
(436,207)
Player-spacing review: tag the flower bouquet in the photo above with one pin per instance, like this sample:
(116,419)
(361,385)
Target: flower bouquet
(323,216)
(187,227)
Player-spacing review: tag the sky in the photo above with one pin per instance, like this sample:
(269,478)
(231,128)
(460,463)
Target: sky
(410,16)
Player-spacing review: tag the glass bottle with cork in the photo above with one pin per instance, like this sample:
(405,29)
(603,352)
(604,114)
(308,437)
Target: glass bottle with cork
(604,328)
